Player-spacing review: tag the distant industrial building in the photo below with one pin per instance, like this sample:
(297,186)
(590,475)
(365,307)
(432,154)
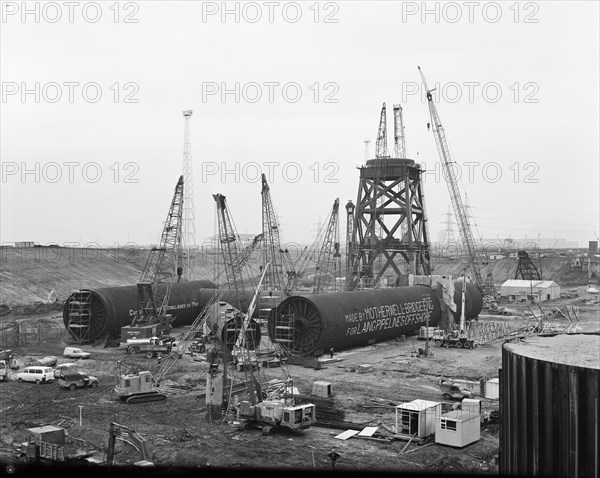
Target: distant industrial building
(24,244)
(504,243)
(530,290)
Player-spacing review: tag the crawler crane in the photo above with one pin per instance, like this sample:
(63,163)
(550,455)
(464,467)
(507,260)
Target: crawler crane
(138,386)
(487,287)
(154,286)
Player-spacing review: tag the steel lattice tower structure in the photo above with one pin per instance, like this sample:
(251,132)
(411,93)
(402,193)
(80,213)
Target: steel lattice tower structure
(188,242)
(389,220)
(448,238)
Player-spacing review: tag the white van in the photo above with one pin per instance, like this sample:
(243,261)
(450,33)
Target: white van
(75,352)
(36,374)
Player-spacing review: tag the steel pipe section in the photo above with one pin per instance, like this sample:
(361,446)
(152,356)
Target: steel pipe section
(549,406)
(473,301)
(351,319)
(206,294)
(225,322)
(114,307)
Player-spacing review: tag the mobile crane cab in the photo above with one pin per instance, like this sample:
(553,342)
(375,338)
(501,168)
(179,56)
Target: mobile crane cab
(137,386)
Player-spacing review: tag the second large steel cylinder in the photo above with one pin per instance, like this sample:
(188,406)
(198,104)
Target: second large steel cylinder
(342,320)
(312,324)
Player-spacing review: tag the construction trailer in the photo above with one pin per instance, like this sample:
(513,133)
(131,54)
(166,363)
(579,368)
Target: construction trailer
(458,428)
(530,290)
(417,417)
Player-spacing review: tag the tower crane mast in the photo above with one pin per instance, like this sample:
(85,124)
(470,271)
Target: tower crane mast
(464,227)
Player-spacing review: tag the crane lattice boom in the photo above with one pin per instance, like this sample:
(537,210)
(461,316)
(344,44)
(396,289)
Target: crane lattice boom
(281,271)
(399,138)
(229,243)
(455,196)
(198,324)
(162,265)
(329,258)
(381,148)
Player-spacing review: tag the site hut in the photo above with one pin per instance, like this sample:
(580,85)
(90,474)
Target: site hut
(530,290)
(418,417)
(458,428)
(491,388)
(322,389)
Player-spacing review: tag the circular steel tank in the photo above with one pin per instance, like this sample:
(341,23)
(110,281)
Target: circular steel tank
(549,406)
(350,319)
(114,307)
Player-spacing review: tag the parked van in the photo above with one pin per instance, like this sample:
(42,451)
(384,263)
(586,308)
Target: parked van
(64,368)
(36,374)
(75,352)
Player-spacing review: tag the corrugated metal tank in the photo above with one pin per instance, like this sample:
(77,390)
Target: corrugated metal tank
(114,307)
(349,319)
(549,406)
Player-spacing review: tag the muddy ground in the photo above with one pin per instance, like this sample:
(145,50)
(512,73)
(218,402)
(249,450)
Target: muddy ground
(179,436)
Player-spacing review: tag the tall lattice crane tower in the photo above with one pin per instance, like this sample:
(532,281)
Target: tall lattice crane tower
(188,240)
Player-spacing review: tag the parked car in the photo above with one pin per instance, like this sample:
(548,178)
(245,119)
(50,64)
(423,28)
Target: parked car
(36,374)
(47,361)
(74,352)
(74,380)
(64,368)
(451,390)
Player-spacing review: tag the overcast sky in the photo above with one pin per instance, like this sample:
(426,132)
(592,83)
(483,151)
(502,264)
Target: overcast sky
(93,94)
